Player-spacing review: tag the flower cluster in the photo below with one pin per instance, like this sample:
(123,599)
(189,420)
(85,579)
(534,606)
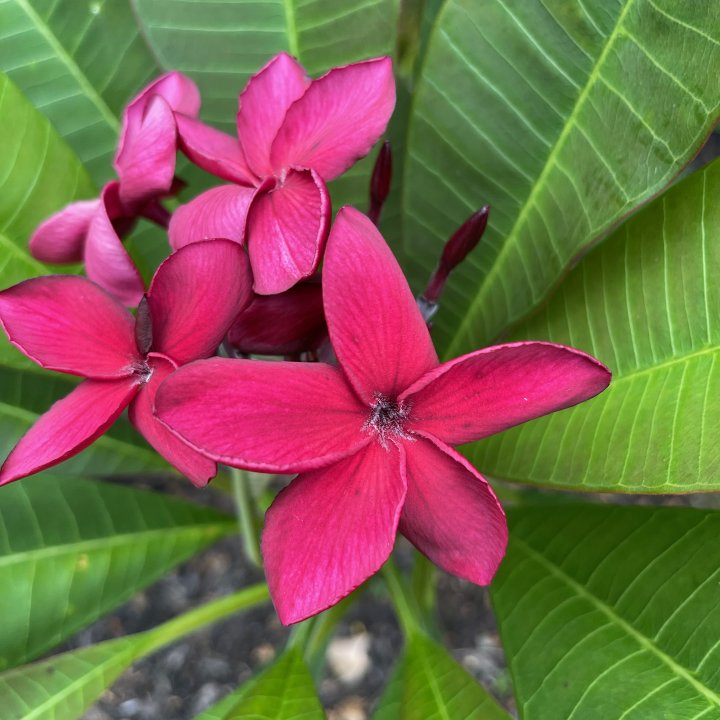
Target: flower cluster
(365,413)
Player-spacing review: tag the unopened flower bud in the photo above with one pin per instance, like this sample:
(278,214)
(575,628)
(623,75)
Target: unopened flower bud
(143,327)
(465,238)
(380,182)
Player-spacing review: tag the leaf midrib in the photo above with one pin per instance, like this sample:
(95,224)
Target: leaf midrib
(512,237)
(610,613)
(124,659)
(111,541)
(72,66)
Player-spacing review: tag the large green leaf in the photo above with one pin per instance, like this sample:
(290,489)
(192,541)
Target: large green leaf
(39,174)
(221,44)
(564,116)
(611,612)
(70,550)
(284,691)
(63,687)
(647,303)
(429,684)
(79,62)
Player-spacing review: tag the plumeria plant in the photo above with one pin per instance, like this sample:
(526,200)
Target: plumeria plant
(388,274)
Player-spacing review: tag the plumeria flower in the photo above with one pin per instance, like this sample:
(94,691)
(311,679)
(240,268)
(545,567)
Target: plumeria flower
(290,323)
(70,324)
(373,438)
(294,136)
(90,230)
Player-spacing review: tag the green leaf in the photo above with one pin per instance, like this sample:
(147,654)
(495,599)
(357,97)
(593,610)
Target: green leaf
(647,304)
(284,691)
(428,683)
(70,550)
(611,612)
(39,174)
(564,116)
(79,62)
(64,686)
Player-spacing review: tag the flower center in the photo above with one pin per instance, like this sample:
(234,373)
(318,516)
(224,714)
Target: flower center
(143,371)
(387,419)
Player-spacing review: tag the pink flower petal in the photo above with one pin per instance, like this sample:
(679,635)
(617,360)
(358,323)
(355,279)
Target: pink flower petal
(178,91)
(261,415)
(69,324)
(338,119)
(61,238)
(218,213)
(197,468)
(490,390)
(451,513)
(262,107)
(286,231)
(147,165)
(376,329)
(69,426)
(107,262)
(195,296)
(286,324)
(330,530)
(214,151)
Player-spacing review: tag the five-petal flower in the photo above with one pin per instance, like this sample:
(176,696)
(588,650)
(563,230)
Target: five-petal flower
(372,439)
(70,324)
(294,136)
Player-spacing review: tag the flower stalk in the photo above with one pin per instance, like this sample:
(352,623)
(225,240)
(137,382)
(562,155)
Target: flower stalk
(247,516)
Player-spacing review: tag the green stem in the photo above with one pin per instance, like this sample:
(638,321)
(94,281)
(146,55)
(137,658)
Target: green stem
(405,607)
(247,515)
(204,615)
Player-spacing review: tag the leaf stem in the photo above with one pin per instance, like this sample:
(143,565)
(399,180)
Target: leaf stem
(405,606)
(247,515)
(204,615)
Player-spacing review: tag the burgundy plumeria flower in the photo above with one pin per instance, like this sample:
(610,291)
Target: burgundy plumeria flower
(372,439)
(90,230)
(70,324)
(289,323)
(294,136)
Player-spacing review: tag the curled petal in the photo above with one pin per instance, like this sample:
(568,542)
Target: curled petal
(265,416)
(69,324)
(147,166)
(490,390)
(218,213)
(107,262)
(286,231)
(69,426)
(451,513)
(331,529)
(195,296)
(262,107)
(176,89)
(61,238)
(375,326)
(338,119)
(213,151)
(197,468)
(286,324)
